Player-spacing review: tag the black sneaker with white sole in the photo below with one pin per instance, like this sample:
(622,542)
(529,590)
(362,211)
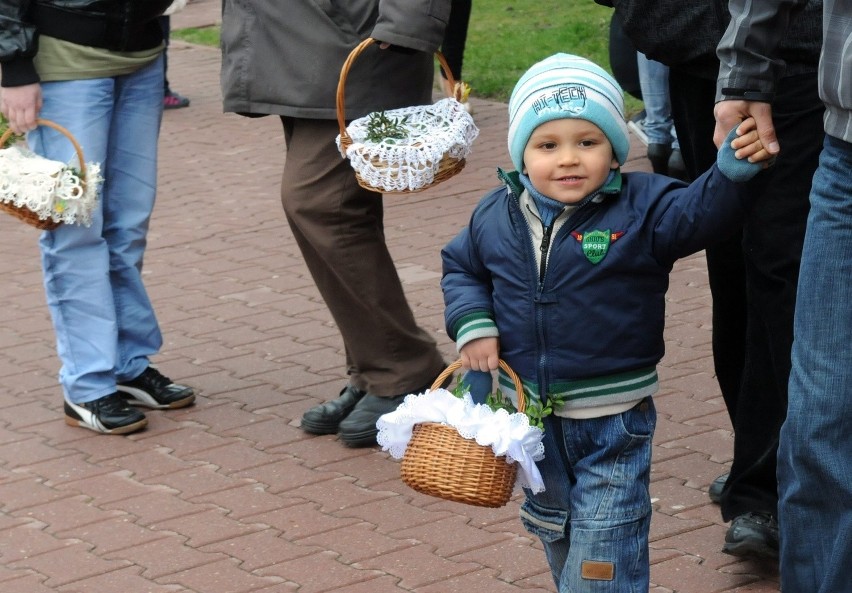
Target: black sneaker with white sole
(109,415)
(152,389)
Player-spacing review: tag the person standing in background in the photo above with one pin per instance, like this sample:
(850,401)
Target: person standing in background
(97,70)
(815,452)
(753,275)
(277,59)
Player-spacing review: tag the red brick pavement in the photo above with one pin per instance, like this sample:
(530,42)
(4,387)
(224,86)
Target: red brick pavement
(229,496)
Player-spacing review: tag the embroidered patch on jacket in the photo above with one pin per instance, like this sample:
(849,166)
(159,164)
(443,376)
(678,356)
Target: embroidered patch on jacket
(596,243)
(597,571)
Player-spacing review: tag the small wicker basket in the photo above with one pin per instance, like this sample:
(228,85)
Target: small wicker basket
(22,212)
(440,462)
(400,175)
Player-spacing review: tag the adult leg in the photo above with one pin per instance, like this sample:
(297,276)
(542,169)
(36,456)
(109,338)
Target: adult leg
(814,472)
(654,81)
(772,246)
(339,228)
(105,327)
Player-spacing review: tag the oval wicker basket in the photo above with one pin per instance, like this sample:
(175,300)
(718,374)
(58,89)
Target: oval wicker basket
(448,165)
(25,214)
(440,462)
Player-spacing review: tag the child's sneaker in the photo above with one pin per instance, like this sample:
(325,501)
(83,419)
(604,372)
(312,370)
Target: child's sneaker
(109,415)
(153,390)
(172,100)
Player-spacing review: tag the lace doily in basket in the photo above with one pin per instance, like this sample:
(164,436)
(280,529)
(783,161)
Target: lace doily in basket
(51,189)
(434,132)
(507,434)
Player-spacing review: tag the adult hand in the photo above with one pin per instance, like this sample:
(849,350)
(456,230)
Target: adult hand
(482,354)
(732,113)
(20,105)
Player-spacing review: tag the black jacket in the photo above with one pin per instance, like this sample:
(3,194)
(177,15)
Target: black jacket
(117,25)
(685,34)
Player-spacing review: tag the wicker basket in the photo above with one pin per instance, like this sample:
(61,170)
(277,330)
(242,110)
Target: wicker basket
(440,462)
(22,212)
(397,178)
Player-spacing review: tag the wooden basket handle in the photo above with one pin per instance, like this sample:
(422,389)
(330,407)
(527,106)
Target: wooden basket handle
(519,386)
(46,122)
(345,140)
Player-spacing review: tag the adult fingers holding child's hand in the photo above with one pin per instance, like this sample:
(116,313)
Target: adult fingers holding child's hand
(748,145)
(741,154)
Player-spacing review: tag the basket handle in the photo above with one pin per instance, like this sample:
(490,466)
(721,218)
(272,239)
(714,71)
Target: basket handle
(519,386)
(345,140)
(46,122)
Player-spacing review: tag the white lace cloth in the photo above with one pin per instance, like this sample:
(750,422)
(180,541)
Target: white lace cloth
(48,188)
(507,434)
(411,163)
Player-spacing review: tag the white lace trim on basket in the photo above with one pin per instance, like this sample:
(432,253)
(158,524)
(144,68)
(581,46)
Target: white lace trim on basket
(51,189)
(411,163)
(507,434)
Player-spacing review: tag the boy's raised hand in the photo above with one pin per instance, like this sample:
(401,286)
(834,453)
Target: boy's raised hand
(482,354)
(742,154)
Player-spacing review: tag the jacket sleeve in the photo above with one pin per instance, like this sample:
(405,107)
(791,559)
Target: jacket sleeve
(689,219)
(415,24)
(18,44)
(469,311)
(747,52)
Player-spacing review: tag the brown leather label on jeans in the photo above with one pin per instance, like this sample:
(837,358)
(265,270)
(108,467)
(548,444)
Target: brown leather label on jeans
(597,571)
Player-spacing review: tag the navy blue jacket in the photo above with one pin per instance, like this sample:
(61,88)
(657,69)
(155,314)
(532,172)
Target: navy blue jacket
(591,327)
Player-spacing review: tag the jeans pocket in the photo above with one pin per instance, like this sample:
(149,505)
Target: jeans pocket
(640,421)
(547,524)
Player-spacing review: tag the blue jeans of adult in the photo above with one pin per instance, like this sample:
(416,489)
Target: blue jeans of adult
(814,468)
(103,319)
(594,515)
(654,82)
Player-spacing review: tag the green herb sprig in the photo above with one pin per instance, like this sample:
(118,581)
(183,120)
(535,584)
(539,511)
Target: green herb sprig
(381,127)
(534,410)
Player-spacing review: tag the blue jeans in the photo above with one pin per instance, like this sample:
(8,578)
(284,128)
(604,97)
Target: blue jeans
(104,323)
(654,82)
(815,451)
(595,513)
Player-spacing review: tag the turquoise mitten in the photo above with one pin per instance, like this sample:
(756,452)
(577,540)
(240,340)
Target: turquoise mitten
(735,169)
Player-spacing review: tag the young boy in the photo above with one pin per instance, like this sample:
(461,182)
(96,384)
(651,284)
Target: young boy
(563,273)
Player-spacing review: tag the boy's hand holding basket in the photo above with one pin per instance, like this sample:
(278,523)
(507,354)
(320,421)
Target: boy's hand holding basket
(457,450)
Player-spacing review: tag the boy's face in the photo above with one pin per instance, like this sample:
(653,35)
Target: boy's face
(567,159)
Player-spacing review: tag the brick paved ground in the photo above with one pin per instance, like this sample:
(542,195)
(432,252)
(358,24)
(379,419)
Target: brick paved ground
(229,496)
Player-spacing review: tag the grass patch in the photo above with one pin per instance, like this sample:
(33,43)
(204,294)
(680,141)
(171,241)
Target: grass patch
(506,37)
(199,36)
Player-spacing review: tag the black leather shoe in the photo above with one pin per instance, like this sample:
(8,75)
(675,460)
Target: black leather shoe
(752,534)
(152,389)
(659,155)
(326,418)
(358,429)
(716,487)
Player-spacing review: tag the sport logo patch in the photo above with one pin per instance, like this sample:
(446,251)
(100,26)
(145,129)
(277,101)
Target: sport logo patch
(596,243)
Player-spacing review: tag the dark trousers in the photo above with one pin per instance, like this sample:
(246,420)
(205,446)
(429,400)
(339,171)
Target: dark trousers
(339,227)
(753,277)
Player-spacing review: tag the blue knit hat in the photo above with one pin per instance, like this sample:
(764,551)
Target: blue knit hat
(566,86)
